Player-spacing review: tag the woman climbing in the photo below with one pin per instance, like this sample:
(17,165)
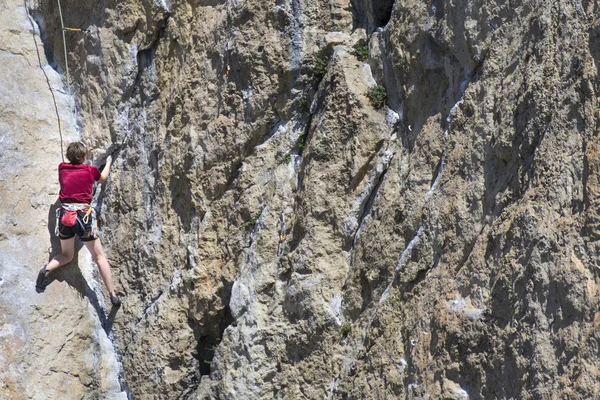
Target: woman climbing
(76,216)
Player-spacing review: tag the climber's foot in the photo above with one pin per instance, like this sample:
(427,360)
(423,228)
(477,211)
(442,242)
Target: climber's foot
(115,300)
(42,281)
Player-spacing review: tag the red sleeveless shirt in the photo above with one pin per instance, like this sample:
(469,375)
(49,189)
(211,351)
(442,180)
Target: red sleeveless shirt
(76,182)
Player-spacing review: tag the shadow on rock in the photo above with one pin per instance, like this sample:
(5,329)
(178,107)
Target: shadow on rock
(110,320)
(71,273)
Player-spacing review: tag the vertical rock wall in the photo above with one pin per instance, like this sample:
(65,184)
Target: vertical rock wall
(276,235)
(52,345)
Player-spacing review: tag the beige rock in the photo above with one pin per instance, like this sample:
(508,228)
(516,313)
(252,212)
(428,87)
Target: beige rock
(275,236)
(52,345)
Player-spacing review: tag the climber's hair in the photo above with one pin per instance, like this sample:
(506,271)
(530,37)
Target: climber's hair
(76,152)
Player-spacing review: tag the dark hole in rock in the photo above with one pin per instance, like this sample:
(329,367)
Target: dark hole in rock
(207,343)
(46,43)
(372,14)
(382,12)
(437,9)
(145,58)
(206,351)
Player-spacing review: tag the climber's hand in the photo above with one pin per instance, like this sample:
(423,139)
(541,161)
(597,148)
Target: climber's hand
(114,150)
(105,170)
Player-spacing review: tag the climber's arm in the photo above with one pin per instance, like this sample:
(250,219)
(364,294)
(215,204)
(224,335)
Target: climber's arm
(105,170)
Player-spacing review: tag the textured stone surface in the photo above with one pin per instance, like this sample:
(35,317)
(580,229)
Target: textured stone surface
(52,345)
(276,236)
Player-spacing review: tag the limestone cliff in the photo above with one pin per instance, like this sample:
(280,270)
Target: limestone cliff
(52,346)
(275,233)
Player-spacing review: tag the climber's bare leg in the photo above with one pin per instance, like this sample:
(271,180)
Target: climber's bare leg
(67,249)
(95,247)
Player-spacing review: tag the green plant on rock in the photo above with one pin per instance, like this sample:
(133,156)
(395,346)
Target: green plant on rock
(345,329)
(303,103)
(287,158)
(319,66)
(361,51)
(301,142)
(378,95)
(253,219)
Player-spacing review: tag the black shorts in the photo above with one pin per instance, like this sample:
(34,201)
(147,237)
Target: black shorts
(85,230)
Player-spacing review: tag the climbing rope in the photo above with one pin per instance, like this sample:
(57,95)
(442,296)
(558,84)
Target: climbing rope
(63,29)
(33,30)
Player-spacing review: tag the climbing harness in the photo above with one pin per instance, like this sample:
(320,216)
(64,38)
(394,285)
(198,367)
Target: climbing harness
(70,217)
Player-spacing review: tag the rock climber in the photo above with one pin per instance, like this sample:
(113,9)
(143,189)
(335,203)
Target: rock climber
(76,216)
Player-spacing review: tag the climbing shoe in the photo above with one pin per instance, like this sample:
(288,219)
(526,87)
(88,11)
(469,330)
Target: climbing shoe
(42,281)
(115,300)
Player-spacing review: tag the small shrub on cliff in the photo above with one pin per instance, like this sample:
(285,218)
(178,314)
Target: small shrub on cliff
(301,142)
(378,95)
(319,66)
(345,329)
(304,106)
(253,219)
(361,51)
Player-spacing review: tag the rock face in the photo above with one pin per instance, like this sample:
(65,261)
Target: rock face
(275,235)
(52,345)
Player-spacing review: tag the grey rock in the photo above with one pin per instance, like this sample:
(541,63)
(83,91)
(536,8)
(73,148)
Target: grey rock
(276,236)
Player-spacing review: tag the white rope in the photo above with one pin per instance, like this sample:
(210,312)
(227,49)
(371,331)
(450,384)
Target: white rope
(62,27)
